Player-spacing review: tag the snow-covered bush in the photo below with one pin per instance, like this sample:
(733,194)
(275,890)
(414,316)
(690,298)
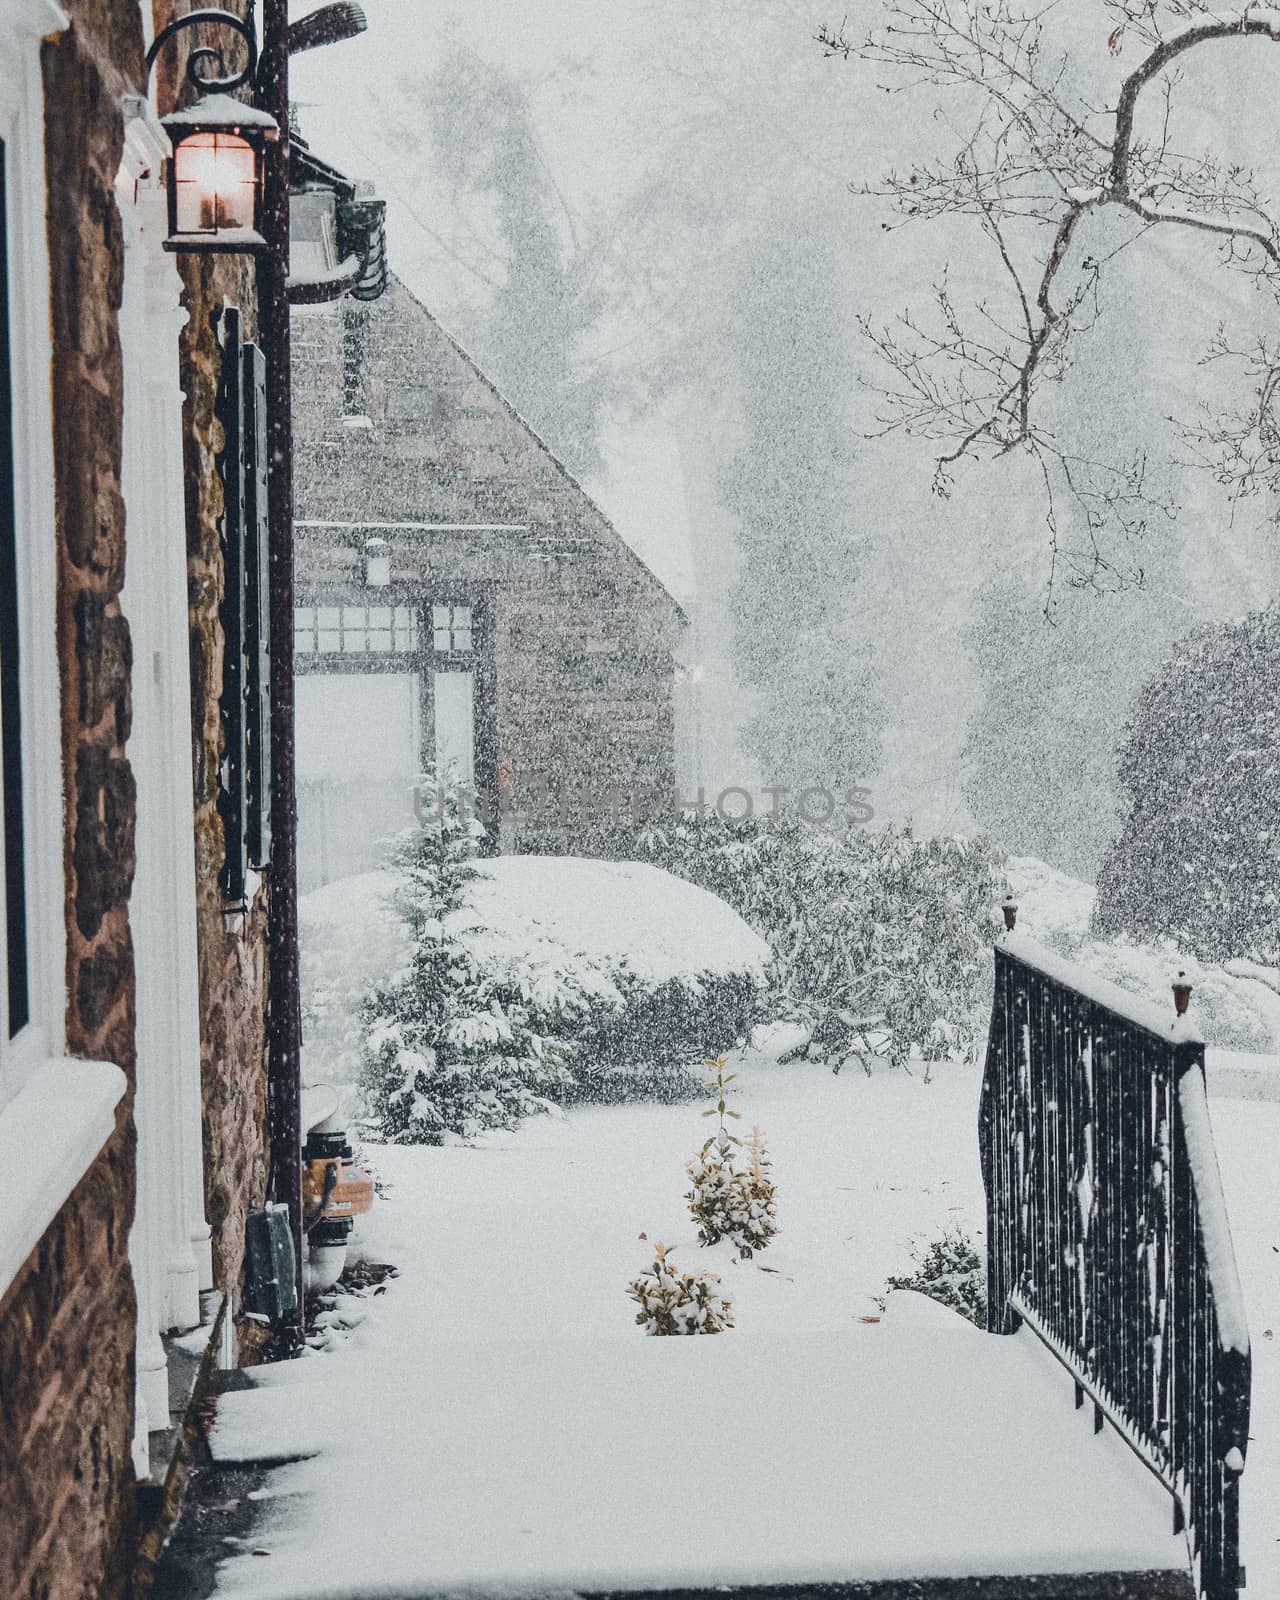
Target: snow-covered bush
(674,1302)
(644,974)
(1198,857)
(450,1046)
(880,940)
(640,973)
(951,1271)
(732,1195)
(651,1045)
(1236,1003)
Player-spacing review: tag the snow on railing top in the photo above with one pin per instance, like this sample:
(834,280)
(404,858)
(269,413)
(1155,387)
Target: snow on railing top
(1215,1231)
(1161,1021)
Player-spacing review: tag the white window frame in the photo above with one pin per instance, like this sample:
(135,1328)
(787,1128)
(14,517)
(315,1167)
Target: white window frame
(55,1114)
(23,23)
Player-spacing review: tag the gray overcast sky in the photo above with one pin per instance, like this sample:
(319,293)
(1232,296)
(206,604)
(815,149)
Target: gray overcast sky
(614,87)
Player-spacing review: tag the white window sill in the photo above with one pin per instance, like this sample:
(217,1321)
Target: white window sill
(50,1133)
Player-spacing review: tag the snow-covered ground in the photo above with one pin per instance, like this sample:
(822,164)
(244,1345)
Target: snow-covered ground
(469,1391)
(499,1389)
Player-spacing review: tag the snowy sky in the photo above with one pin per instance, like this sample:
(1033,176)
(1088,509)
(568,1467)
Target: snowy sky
(605,74)
(737,93)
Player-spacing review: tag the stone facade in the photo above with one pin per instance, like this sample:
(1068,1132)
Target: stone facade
(67,1321)
(398,435)
(66,1325)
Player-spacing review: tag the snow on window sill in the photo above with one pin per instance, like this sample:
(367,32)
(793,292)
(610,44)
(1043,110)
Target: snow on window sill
(50,1133)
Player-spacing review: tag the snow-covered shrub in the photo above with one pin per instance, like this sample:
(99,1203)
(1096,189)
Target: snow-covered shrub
(674,1302)
(646,974)
(652,1045)
(640,973)
(1198,857)
(450,1047)
(951,1271)
(732,1195)
(881,941)
(1236,1003)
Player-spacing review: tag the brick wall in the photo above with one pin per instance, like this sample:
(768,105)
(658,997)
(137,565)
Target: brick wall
(584,631)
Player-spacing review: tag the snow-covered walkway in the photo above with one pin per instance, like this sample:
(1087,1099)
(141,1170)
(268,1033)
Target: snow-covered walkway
(497,1421)
(888,1451)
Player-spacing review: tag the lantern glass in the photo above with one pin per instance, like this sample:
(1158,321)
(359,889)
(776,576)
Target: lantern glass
(215,183)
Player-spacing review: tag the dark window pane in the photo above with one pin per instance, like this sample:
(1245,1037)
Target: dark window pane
(15,909)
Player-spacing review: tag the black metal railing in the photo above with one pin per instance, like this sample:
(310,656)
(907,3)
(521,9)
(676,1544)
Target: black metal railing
(1107,1232)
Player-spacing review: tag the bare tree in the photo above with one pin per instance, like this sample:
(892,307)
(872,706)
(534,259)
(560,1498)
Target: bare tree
(1034,161)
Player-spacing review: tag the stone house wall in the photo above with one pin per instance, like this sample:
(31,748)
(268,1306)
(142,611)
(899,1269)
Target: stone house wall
(66,1325)
(67,1322)
(394,424)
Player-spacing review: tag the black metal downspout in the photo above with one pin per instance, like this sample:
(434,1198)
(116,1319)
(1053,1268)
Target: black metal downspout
(284,1027)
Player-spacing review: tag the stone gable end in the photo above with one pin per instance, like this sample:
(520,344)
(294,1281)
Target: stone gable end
(399,436)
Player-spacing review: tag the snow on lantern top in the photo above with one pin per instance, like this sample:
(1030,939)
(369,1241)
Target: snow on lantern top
(215,174)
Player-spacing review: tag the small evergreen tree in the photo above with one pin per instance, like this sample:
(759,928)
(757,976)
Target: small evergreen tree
(1198,858)
(449,1048)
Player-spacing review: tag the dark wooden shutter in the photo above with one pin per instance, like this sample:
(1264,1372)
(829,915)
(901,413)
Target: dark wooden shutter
(232,797)
(257,613)
(245,799)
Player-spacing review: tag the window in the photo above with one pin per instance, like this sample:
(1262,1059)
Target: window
(32,948)
(13,872)
(360,630)
(451,629)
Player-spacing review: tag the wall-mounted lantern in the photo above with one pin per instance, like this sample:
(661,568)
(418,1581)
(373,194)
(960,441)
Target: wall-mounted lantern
(377,563)
(215,172)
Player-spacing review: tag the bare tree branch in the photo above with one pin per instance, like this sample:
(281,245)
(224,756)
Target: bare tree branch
(1037,162)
